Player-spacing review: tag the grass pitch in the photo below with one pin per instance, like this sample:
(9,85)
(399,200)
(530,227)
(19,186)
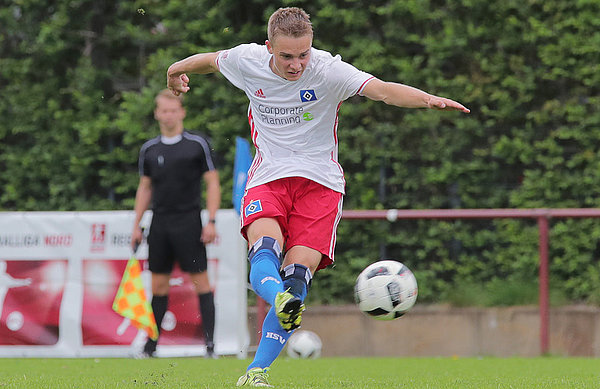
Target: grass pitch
(324,373)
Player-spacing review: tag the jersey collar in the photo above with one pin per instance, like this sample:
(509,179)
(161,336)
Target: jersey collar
(170,140)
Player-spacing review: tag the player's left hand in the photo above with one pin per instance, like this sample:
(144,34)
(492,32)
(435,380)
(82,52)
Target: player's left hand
(443,104)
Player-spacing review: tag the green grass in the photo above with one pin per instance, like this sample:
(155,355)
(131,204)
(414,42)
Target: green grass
(324,373)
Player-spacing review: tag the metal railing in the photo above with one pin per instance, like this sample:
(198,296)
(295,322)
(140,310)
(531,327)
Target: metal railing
(542,215)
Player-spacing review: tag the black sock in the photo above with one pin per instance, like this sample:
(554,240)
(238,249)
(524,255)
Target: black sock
(159,307)
(207,310)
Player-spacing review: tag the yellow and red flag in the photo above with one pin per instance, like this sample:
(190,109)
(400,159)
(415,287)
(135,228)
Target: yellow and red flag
(131,302)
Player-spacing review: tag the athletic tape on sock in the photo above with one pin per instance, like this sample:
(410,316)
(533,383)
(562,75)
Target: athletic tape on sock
(298,271)
(265,243)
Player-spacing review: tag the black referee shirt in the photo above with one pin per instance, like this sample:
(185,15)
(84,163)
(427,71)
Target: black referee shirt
(176,171)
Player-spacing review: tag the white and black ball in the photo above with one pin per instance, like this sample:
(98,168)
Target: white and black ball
(386,290)
(304,344)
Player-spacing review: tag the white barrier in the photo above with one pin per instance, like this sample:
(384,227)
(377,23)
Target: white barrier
(59,273)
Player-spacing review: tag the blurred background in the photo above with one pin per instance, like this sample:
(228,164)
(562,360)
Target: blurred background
(78,78)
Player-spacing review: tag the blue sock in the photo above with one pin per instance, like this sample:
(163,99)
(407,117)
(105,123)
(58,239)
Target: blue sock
(271,342)
(297,278)
(264,268)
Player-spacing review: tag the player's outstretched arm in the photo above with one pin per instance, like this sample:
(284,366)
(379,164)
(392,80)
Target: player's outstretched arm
(177,79)
(406,96)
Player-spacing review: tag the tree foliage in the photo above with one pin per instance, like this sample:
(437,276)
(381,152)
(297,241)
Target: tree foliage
(78,77)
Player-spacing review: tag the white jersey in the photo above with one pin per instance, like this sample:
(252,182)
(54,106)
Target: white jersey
(293,123)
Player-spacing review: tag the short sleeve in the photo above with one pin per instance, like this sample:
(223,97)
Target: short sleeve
(145,169)
(228,62)
(346,80)
(143,165)
(208,162)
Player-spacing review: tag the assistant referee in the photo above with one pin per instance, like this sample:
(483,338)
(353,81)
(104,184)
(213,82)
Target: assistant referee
(171,167)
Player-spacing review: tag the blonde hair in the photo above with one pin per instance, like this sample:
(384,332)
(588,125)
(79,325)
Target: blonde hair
(290,21)
(167,94)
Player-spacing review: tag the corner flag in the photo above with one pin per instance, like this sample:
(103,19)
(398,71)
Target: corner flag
(243,160)
(131,302)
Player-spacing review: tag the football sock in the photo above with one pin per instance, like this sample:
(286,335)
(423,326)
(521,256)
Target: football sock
(297,278)
(207,310)
(272,340)
(264,260)
(159,307)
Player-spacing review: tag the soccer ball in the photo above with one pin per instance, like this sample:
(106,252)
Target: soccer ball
(304,344)
(385,290)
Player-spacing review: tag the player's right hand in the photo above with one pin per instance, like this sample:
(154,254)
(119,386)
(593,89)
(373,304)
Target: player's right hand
(178,84)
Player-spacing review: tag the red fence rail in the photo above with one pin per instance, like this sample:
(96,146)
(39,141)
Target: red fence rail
(542,215)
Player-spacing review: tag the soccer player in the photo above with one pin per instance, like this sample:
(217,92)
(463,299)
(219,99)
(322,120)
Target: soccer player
(293,198)
(171,167)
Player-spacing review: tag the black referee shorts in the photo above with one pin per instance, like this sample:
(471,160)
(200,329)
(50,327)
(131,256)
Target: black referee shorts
(176,237)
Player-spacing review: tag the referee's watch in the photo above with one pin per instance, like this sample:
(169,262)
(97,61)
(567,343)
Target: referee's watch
(212,221)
